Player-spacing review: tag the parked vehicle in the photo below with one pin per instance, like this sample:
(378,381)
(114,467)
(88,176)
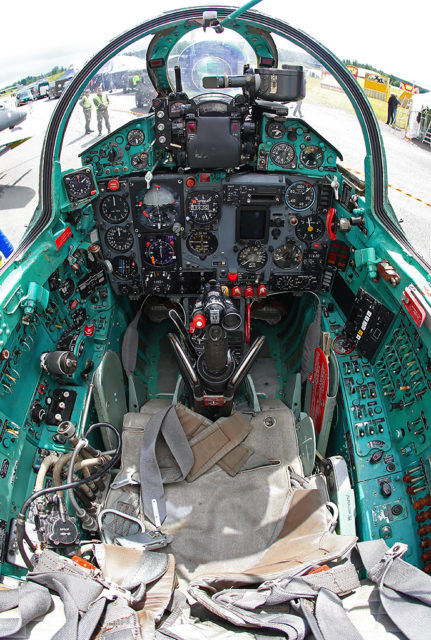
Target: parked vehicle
(56,88)
(23,97)
(41,89)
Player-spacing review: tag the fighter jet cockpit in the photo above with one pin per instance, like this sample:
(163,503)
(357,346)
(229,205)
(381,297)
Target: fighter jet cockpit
(214,344)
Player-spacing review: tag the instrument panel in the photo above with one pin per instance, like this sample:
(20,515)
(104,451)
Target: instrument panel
(172,234)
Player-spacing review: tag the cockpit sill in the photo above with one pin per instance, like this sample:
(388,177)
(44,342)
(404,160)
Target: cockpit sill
(216,267)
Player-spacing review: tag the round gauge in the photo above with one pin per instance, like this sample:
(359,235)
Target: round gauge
(135,137)
(157,207)
(300,195)
(275,129)
(343,344)
(288,256)
(79,185)
(282,154)
(203,206)
(310,228)
(175,108)
(160,251)
(252,258)
(139,160)
(66,288)
(312,157)
(202,243)
(114,208)
(124,267)
(79,317)
(119,239)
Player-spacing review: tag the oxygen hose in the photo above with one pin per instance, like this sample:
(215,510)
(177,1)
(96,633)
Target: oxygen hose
(20,521)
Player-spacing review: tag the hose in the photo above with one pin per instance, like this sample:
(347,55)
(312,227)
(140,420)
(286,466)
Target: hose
(20,521)
(81,513)
(43,469)
(58,468)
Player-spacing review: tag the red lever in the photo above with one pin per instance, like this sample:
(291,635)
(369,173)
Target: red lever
(331,223)
(262,291)
(236,292)
(247,322)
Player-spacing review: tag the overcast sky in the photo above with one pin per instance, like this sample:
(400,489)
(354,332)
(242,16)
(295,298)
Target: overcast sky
(35,36)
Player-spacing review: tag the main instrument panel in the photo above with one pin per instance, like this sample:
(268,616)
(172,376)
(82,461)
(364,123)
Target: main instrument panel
(188,194)
(171,235)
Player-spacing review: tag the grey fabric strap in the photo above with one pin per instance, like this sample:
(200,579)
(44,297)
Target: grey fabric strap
(167,423)
(32,601)
(85,598)
(405,591)
(319,611)
(129,347)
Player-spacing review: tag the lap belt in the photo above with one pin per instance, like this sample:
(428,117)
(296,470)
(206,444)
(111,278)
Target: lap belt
(405,590)
(86,595)
(196,445)
(405,593)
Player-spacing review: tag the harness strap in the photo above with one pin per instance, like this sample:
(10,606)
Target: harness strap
(405,591)
(167,423)
(196,444)
(87,596)
(32,601)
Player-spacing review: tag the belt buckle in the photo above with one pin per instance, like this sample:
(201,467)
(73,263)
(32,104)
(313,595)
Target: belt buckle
(397,551)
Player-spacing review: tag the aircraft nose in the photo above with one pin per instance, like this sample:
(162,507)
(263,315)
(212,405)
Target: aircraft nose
(22,117)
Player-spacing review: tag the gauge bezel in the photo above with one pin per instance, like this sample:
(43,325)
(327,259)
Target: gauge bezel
(285,243)
(167,239)
(107,218)
(279,124)
(139,193)
(111,247)
(314,165)
(288,204)
(134,132)
(308,239)
(247,248)
(290,162)
(199,231)
(117,274)
(90,191)
(205,192)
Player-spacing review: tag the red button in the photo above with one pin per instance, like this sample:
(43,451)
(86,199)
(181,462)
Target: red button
(74,304)
(190,182)
(114,184)
(249,292)
(232,276)
(204,177)
(88,330)
(236,292)
(191,127)
(262,291)
(199,321)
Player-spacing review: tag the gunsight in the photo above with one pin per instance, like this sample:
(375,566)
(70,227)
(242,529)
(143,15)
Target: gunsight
(275,85)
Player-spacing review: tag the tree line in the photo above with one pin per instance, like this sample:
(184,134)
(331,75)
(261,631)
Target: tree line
(31,79)
(394,80)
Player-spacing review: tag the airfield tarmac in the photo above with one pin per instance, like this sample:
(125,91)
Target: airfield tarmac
(409,163)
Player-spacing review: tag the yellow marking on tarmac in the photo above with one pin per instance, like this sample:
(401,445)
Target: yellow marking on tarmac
(396,189)
(134,113)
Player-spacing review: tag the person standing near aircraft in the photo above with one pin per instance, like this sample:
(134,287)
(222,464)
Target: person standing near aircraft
(101,101)
(86,105)
(393,103)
